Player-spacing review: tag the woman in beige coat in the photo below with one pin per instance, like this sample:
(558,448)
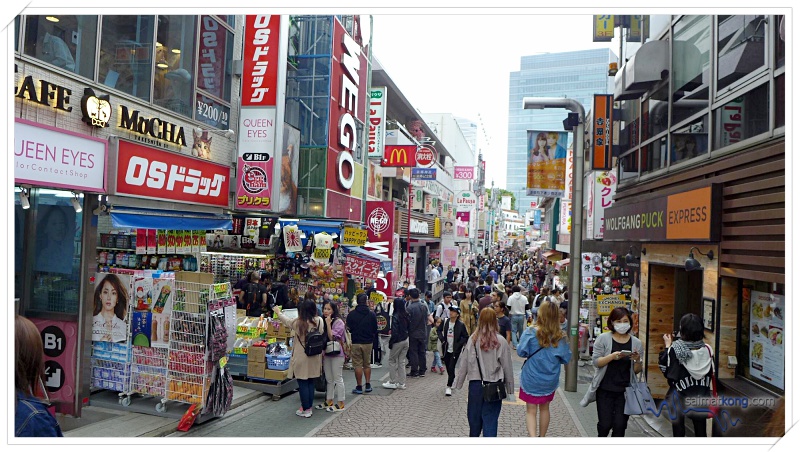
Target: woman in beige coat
(304,368)
(469,312)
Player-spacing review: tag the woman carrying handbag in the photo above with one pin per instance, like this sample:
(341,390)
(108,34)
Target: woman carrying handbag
(612,356)
(486,364)
(688,364)
(302,367)
(333,359)
(546,348)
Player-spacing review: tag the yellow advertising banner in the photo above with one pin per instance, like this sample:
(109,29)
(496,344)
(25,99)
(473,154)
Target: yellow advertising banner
(354,236)
(322,253)
(603,29)
(607,303)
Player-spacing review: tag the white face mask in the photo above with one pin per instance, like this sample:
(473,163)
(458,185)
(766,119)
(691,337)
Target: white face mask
(622,328)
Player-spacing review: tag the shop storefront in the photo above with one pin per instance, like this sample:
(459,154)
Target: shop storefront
(421,236)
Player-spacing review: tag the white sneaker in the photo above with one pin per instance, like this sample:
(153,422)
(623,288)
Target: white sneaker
(375,366)
(390,385)
(306,413)
(401,386)
(448,392)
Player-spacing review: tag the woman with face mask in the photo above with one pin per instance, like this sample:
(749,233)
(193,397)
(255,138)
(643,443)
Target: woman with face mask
(613,354)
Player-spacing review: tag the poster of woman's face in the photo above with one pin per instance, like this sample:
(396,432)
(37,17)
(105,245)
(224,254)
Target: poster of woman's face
(110,314)
(55,235)
(290,159)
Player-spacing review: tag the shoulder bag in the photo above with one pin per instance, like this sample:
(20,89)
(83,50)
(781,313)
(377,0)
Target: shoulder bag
(493,391)
(332,347)
(638,399)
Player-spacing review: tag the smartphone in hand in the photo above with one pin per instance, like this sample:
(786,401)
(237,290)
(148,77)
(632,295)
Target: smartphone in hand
(625,353)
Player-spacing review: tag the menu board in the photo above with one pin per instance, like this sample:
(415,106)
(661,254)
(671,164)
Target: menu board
(767,356)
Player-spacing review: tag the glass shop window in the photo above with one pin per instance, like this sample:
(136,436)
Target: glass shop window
(762,327)
(174,63)
(741,47)
(67,42)
(126,54)
(744,117)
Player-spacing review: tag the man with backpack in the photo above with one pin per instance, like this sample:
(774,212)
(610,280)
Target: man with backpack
(279,292)
(443,308)
(252,298)
(383,314)
(363,326)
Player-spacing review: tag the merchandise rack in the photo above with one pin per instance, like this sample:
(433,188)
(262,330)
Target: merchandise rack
(149,371)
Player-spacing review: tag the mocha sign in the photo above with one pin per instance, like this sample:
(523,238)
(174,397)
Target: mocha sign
(692,215)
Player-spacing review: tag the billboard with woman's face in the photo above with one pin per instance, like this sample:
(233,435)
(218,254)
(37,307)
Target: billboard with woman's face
(547,161)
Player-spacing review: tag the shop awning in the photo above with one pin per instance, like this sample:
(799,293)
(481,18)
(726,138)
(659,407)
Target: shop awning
(165,219)
(563,262)
(547,254)
(315,226)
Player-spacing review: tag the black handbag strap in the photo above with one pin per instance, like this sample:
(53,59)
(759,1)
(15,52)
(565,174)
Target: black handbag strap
(478,359)
(534,354)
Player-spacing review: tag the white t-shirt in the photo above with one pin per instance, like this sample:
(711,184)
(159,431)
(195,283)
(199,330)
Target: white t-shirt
(450,337)
(516,303)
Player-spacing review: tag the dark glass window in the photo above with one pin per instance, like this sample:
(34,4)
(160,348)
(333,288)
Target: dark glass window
(215,58)
(780,101)
(742,47)
(742,118)
(654,155)
(691,62)
(690,141)
(126,54)
(67,42)
(780,41)
(174,63)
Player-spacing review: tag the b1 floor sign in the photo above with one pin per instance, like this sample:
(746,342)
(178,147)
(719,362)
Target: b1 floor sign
(59,340)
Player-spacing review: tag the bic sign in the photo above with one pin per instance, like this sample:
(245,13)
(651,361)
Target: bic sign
(400,156)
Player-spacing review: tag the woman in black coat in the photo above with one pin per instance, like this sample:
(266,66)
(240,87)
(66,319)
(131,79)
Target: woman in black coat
(453,336)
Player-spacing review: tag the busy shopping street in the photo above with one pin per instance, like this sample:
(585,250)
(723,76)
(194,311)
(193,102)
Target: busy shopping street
(280,226)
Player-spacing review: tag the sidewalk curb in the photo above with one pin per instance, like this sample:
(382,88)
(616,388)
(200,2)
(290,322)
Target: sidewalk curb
(572,413)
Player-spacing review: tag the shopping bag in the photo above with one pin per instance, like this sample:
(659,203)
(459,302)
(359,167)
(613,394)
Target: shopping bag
(321,383)
(188,418)
(638,399)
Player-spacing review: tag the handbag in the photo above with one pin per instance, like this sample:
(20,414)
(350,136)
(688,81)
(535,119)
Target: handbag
(638,399)
(493,391)
(332,348)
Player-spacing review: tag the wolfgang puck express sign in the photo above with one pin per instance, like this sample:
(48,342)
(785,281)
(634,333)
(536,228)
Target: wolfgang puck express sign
(691,215)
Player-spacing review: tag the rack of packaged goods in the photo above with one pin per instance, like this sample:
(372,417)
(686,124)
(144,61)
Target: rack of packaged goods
(233,267)
(150,249)
(189,365)
(111,339)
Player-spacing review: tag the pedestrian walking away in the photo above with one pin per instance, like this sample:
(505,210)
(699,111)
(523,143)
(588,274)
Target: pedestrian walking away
(546,349)
(302,367)
(612,356)
(398,346)
(486,359)
(516,305)
(417,334)
(363,328)
(453,336)
(687,362)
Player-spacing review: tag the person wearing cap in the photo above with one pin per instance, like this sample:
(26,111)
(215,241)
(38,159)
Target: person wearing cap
(453,336)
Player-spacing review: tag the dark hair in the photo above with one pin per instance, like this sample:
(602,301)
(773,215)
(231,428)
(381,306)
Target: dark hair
(400,310)
(502,305)
(284,278)
(447,293)
(413,293)
(428,293)
(361,298)
(122,296)
(619,314)
(29,361)
(306,312)
(691,327)
(335,306)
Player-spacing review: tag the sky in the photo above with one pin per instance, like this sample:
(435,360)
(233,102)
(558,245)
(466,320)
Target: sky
(461,64)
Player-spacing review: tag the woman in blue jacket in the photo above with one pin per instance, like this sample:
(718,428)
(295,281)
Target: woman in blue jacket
(31,418)
(546,348)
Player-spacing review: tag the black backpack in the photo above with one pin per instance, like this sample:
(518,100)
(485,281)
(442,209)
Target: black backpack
(315,342)
(251,302)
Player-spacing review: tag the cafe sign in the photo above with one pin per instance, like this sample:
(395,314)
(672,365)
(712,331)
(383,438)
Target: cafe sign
(692,215)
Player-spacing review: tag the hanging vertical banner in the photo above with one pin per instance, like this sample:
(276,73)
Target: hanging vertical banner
(290,162)
(568,177)
(381,239)
(605,187)
(602,130)
(589,184)
(418,198)
(462,225)
(603,28)
(377,121)
(547,160)
(450,255)
(431,204)
(291,239)
(257,119)
(565,217)
(211,56)
(374,180)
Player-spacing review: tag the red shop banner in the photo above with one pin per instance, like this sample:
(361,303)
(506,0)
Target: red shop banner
(381,239)
(211,56)
(151,173)
(260,71)
(357,266)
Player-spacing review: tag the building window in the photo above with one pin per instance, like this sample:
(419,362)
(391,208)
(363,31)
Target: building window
(654,155)
(780,41)
(691,62)
(780,101)
(17,23)
(655,110)
(629,166)
(744,117)
(311,202)
(741,47)
(762,344)
(690,141)
(215,58)
(126,54)
(312,168)
(174,64)
(67,42)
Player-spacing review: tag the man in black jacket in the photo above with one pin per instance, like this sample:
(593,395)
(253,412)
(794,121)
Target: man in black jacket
(417,339)
(280,290)
(453,336)
(363,326)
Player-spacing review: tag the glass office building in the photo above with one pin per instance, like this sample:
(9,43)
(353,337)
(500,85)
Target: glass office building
(577,75)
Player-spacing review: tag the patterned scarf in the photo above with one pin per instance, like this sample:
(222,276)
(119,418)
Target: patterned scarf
(683,349)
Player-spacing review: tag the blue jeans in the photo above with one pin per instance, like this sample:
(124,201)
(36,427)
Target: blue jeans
(517,327)
(306,390)
(437,359)
(481,415)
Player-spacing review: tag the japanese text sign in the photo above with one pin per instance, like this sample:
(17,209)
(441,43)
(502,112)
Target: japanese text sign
(464,172)
(211,56)
(354,236)
(601,131)
(260,72)
(357,266)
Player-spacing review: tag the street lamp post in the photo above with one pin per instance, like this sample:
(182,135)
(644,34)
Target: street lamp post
(539,103)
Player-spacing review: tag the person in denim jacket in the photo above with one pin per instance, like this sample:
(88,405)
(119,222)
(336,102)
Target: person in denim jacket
(31,418)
